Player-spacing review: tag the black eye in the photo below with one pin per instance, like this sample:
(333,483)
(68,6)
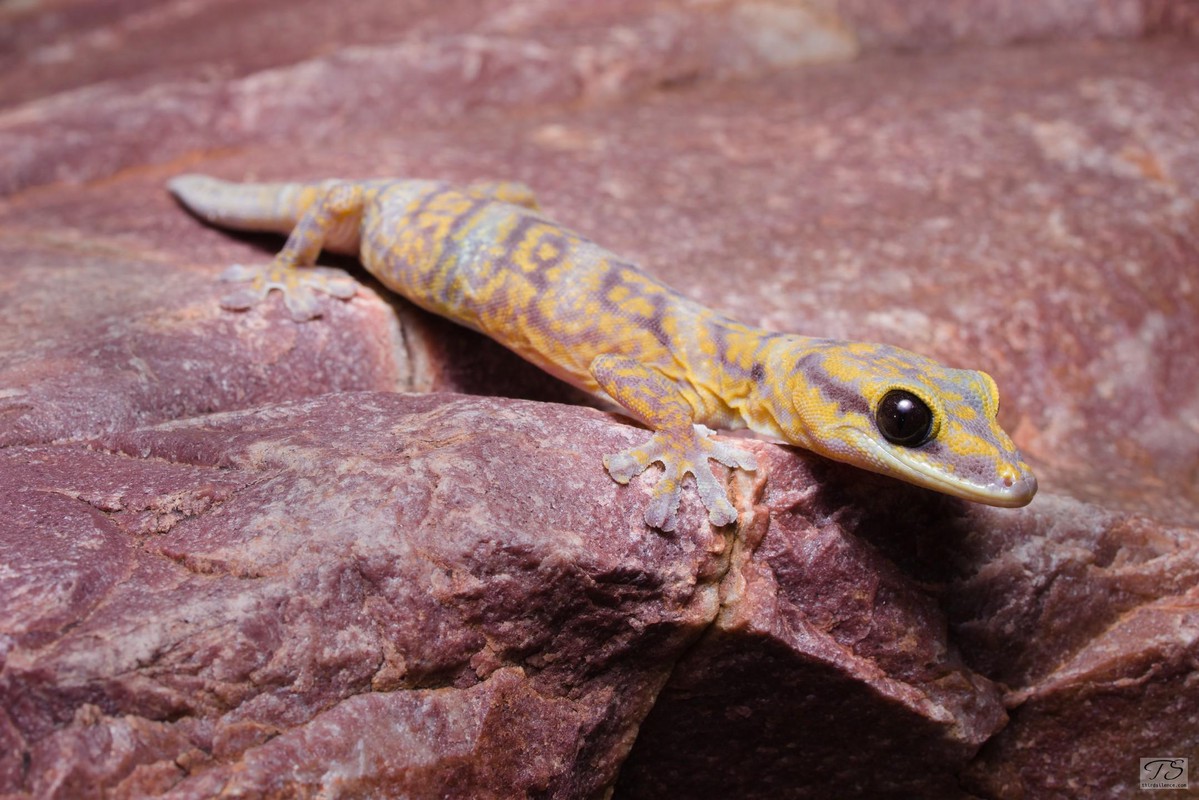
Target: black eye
(904,419)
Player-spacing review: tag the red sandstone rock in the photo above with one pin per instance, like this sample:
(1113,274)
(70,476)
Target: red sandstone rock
(434,596)
(348,593)
(134,347)
(383,592)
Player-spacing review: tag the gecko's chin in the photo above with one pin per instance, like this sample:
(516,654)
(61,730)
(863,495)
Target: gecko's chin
(1001,492)
(1015,494)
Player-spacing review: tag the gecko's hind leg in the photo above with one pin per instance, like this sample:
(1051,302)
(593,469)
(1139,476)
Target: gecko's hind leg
(298,286)
(291,271)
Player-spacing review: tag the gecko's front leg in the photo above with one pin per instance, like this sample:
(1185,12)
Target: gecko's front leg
(292,271)
(678,444)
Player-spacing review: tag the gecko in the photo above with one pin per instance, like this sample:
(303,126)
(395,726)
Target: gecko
(485,256)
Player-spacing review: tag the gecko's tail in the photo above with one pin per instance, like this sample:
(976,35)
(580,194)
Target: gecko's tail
(243,206)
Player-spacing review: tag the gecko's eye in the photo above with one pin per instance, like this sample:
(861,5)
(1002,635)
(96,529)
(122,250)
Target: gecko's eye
(904,419)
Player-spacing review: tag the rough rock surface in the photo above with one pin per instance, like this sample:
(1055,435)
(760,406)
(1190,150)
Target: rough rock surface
(233,560)
(344,594)
(372,591)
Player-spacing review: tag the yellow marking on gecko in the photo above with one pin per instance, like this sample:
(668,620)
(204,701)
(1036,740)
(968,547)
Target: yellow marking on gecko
(483,256)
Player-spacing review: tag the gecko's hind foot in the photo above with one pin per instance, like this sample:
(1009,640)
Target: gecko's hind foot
(681,451)
(300,287)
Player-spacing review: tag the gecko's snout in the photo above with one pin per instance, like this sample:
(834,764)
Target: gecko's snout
(1016,492)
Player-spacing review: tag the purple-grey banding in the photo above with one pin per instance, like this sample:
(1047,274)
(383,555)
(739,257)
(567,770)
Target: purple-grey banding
(848,399)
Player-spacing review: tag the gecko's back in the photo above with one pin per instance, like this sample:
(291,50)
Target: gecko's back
(548,293)
(502,268)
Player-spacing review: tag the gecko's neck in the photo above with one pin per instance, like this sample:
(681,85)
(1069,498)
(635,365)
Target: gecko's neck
(743,377)
(765,402)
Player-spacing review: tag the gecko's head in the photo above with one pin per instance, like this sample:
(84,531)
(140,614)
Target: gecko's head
(891,411)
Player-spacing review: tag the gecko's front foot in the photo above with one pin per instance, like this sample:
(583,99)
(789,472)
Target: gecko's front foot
(298,286)
(681,451)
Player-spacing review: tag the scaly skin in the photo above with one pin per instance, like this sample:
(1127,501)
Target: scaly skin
(484,257)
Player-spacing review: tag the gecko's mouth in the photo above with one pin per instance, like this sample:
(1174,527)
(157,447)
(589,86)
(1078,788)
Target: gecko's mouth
(1001,492)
